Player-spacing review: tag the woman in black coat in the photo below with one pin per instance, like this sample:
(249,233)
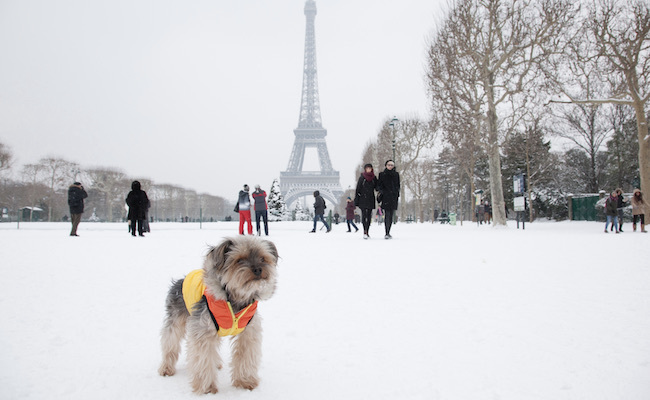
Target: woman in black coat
(389,187)
(365,196)
(138,203)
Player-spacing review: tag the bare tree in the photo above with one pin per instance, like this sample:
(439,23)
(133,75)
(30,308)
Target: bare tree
(585,126)
(6,158)
(499,43)
(456,97)
(112,185)
(622,166)
(620,33)
(413,139)
(57,174)
(529,151)
(167,201)
(418,178)
(6,162)
(33,175)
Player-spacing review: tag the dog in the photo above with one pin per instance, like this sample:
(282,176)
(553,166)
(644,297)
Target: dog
(217,301)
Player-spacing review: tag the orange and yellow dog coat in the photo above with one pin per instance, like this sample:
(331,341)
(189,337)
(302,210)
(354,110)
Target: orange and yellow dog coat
(227,322)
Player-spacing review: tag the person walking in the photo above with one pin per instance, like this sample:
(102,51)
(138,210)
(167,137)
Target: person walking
(488,212)
(349,214)
(611,210)
(389,188)
(365,197)
(639,209)
(76,196)
(261,209)
(243,207)
(319,211)
(620,209)
(138,203)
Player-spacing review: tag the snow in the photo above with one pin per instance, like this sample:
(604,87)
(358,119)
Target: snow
(555,311)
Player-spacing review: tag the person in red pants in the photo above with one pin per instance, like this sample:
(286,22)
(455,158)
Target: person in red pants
(244,208)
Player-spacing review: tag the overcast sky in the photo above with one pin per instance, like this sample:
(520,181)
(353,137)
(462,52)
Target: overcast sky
(204,94)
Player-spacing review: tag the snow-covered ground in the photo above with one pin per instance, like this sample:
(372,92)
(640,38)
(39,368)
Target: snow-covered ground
(555,311)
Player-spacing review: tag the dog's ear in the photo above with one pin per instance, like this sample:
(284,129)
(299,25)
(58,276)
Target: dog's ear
(272,249)
(217,254)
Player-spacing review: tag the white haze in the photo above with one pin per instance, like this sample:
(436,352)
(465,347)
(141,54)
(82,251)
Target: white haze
(203,94)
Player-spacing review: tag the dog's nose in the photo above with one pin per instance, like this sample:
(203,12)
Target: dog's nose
(257,271)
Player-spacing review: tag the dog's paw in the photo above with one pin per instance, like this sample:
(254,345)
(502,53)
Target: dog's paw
(212,390)
(166,370)
(249,383)
(199,389)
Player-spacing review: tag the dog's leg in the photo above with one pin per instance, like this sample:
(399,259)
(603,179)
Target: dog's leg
(173,331)
(203,353)
(246,355)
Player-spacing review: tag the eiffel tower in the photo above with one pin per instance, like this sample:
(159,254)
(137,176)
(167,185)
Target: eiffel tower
(294,182)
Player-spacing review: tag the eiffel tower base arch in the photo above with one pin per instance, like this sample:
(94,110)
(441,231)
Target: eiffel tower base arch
(296,185)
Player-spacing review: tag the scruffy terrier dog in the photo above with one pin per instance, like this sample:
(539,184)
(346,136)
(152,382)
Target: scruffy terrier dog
(217,301)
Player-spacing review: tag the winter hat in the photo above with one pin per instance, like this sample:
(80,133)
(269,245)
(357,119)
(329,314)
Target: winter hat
(316,193)
(245,187)
(367,165)
(77,183)
(257,186)
(349,198)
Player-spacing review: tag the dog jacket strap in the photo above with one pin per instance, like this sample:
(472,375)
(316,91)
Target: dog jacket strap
(227,322)
(193,288)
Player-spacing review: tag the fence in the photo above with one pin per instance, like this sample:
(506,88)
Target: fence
(583,208)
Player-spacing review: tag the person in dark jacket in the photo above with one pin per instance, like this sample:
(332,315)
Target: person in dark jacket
(76,196)
(244,209)
(611,210)
(365,197)
(349,214)
(319,211)
(488,211)
(138,203)
(388,187)
(259,198)
(621,200)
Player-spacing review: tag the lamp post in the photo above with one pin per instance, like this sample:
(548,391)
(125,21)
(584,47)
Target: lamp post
(392,125)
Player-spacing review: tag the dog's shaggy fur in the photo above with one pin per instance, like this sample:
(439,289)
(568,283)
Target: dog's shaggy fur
(239,270)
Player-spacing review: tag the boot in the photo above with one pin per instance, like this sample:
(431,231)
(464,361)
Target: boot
(634,227)
(643,228)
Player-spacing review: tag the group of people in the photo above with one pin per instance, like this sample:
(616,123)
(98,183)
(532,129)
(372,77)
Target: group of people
(137,200)
(483,212)
(387,185)
(243,207)
(615,205)
(385,189)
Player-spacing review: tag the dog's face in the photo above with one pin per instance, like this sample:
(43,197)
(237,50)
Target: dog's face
(244,266)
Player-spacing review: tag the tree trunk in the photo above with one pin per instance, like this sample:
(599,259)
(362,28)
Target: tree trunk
(529,186)
(644,151)
(494,160)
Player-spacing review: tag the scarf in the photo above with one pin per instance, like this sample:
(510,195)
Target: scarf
(369,175)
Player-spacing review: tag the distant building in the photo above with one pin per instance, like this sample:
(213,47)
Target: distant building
(31,213)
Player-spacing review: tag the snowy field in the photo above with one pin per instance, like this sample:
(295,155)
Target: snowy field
(556,311)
